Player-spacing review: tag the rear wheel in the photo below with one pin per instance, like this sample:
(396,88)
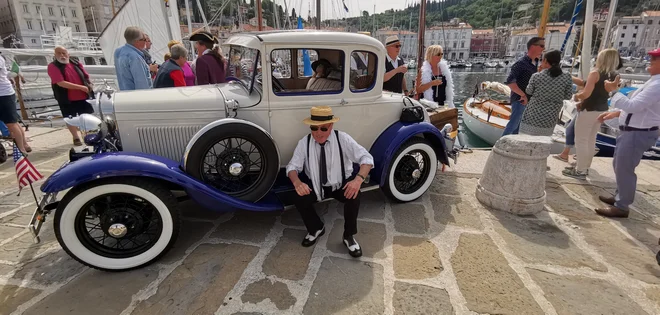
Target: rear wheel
(117,225)
(412,170)
(238,159)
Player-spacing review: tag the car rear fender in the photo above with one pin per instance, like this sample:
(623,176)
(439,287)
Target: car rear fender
(393,137)
(220,122)
(127,164)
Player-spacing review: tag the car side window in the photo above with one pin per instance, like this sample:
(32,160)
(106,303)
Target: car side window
(363,71)
(313,72)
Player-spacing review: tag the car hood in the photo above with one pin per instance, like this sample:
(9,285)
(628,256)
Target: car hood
(196,99)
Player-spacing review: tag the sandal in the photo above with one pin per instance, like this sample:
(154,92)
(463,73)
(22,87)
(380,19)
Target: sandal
(77,142)
(559,157)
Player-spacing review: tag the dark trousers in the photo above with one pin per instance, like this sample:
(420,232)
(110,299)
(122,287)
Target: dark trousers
(313,223)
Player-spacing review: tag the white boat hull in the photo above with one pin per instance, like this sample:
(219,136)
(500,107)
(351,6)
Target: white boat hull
(492,130)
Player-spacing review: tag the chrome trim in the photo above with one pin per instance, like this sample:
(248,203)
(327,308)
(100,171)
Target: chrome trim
(221,122)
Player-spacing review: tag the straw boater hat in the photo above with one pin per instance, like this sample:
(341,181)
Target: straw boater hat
(391,40)
(320,115)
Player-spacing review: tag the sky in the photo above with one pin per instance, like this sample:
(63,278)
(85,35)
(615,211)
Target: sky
(334,8)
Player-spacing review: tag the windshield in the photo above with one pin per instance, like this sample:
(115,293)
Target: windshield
(244,64)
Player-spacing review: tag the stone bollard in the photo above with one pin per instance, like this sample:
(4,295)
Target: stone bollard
(514,177)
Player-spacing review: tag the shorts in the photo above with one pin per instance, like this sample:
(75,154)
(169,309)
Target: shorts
(76,108)
(8,114)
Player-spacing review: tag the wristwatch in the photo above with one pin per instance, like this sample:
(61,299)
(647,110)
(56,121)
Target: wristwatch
(360,176)
(614,92)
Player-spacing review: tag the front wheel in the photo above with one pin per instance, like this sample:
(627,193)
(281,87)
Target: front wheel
(117,225)
(412,170)
(3,153)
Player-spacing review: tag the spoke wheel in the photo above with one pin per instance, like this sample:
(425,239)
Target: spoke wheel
(411,170)
(237,158)
(233,165)
(118,225)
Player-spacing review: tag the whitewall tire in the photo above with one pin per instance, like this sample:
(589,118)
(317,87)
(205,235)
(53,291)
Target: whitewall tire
(117,225)
(411,171)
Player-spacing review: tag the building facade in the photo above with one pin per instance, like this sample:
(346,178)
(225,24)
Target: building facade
(98,13)
(651,36)
(627,35)
(23,22)
(554,39)
(487,44)
(408,41)
(454,37)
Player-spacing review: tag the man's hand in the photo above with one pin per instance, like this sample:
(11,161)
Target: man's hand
(352,188)
(607,116)
(523,99)
(402,69)
(612,85)
(84,89)
(153,68)
(302,189)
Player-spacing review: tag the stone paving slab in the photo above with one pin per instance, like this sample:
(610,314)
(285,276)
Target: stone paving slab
(486,280)
(420,299)
(569,293)
(441,254)
(332,294)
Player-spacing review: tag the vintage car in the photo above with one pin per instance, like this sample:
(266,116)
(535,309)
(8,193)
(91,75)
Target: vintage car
(226,146)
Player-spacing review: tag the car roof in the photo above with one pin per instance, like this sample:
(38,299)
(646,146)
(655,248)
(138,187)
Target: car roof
(256,39)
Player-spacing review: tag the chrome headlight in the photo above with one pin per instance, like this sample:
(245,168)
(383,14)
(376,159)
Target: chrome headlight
(92,127)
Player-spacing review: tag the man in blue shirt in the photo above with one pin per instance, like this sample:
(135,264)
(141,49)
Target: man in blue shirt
(132,71)
(519,76)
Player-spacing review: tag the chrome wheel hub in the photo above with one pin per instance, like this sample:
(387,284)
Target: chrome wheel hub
(416,174)
(235,169)
(117,230)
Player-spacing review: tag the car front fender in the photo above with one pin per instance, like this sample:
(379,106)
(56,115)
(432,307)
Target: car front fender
(143,165)
(397,134)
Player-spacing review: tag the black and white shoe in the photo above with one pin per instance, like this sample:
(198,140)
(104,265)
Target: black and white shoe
(353,247)
(310,239)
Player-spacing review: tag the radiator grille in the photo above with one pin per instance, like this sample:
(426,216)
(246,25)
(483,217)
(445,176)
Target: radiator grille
(166,141)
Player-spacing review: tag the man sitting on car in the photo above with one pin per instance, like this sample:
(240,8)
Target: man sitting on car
(320,80)
(326,156)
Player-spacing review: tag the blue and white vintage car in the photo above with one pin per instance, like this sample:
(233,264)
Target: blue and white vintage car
(226,146)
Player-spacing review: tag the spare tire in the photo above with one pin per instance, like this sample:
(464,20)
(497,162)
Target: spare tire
(238,159)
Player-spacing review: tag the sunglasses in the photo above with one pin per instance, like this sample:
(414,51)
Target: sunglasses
(440,54)
(397,46)
(540,45)
(316,128)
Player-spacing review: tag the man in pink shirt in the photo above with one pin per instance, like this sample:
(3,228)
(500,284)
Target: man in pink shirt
(71,88)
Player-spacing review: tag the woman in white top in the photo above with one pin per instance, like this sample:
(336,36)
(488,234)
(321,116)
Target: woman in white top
(8,114)
(437,84)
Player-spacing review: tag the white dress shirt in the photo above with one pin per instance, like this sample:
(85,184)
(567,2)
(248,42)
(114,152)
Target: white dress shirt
(353,153)
(643,104)
(394,62)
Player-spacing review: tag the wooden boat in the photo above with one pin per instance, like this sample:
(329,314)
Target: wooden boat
(486,118)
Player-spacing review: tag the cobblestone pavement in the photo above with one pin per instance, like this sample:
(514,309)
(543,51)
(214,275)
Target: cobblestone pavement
(442,254)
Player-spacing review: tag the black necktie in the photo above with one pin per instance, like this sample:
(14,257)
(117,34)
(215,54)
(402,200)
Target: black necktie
(323,166)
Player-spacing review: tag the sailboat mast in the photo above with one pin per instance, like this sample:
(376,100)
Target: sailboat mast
(585,60)
(420,43)
(318,14)
(544,18)
(604,42)
(167,21)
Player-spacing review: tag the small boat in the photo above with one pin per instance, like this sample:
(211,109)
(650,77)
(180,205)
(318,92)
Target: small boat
(490,64)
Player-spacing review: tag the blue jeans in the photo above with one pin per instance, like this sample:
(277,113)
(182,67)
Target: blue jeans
(517,109)
(570,133)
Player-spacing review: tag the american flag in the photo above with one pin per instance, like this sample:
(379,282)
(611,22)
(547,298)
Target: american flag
(26,173)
